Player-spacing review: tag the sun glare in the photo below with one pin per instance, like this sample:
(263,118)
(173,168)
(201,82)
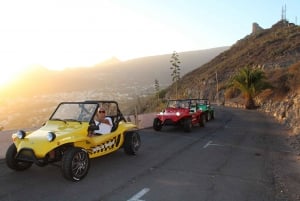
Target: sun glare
(7,76)
(63,41)
(4,80)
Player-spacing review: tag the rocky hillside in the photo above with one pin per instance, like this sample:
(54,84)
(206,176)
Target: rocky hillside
(275,48)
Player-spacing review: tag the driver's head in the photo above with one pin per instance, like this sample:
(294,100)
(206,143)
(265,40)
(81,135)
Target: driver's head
(101,110)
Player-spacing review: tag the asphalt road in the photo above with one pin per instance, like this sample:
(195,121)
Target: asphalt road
(233,158)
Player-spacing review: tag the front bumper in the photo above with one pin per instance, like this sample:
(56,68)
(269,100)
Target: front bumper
(27,155)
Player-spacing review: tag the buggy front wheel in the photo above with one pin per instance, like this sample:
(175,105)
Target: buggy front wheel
(157,124)
(75,164)
(187,124)
(12,162)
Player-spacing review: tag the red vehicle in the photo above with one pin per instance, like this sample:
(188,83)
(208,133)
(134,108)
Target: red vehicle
(179,112)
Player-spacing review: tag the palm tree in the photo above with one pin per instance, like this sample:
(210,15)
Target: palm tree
(250,81)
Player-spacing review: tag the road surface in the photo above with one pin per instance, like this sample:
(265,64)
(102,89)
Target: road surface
(239,156)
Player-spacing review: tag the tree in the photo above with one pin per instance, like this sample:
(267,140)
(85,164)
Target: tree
(156,87)
(249,81)
(175,68)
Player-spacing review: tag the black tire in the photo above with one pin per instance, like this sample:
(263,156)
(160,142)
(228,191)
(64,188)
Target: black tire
(157,124)
(212,115)
(12,162)
(187,125)
(208,116)
(132,143)
(75,164)
(202,120)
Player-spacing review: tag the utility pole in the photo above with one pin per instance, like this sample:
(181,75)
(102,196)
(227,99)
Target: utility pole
(217,88)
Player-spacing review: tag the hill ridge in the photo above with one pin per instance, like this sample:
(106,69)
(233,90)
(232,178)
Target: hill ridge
(276,47)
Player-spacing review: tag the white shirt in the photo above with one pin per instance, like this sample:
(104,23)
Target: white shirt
(103,127)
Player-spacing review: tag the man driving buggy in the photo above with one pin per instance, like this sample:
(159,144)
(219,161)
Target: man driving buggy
(101,124)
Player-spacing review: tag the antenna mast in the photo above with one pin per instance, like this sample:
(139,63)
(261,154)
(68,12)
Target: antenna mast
(283,13)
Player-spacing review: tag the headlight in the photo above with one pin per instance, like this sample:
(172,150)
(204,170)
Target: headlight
(21,134)
(51,136)
(177,113)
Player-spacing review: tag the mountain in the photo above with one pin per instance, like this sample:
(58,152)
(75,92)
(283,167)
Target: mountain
(113,74)
(273,49)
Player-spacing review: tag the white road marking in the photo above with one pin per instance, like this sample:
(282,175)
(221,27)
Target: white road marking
(140,194)
(209,143)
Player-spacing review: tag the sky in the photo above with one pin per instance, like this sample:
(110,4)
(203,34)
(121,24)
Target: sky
(59,34)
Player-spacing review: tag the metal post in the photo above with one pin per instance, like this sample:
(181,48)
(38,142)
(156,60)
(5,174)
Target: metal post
(217,88)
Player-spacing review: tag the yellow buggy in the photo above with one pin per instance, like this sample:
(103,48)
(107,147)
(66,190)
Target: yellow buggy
(64,138)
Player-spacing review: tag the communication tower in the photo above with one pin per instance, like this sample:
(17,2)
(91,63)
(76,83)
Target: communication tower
(283,13)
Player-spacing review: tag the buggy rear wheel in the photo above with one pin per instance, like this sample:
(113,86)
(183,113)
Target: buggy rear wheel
(208,116)
(12,162)
(132,143)
(202,120)
(212,115)
(75,164)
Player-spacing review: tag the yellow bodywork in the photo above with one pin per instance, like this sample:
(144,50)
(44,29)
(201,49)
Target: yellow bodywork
(75,134)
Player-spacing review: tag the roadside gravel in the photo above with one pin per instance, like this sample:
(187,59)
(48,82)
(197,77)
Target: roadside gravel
(286,169)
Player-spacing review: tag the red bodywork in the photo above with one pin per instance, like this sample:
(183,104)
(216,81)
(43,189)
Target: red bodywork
(184,115)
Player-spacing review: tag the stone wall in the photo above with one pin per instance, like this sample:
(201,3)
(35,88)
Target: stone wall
(287,112)
(256,28)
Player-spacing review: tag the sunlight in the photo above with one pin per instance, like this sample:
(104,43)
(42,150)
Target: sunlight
(84,37)
(4,79)
(8,75)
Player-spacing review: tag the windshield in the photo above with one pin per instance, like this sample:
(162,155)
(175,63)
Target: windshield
(203,102)
(178,103)
(74,111)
